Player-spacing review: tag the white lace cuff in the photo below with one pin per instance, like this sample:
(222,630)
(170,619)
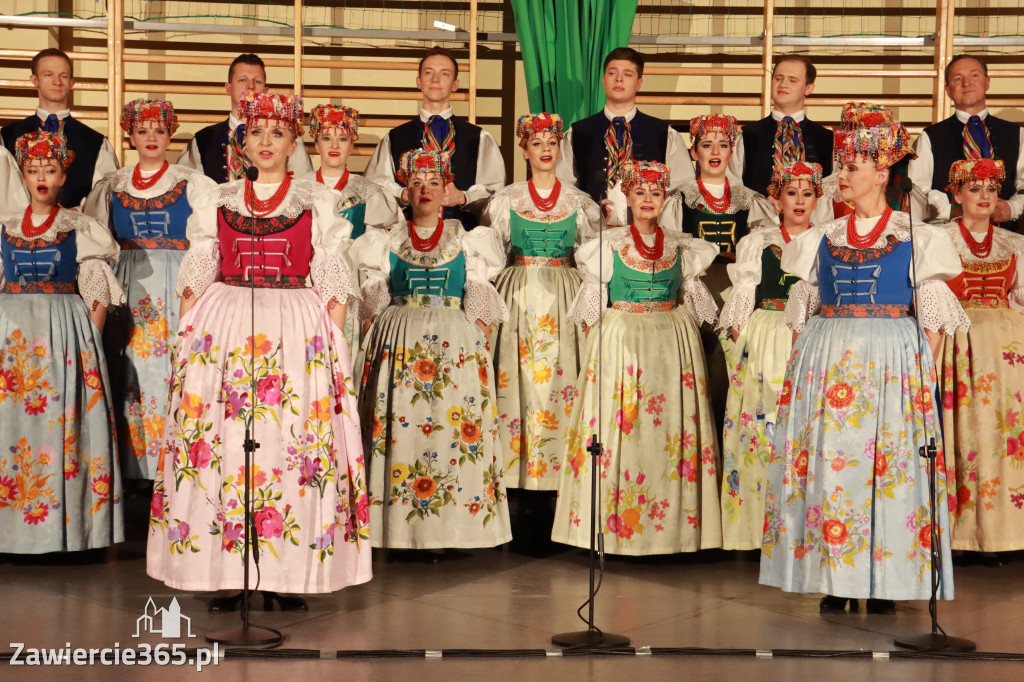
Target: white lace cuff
(803,302)
(376,297)
(738,308)
(481,301)
(939,310)
(590,302)
(1016,300)
(332,277)
(199,268)
(699,301)
(96,282)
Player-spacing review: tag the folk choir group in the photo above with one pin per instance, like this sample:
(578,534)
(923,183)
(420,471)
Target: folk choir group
(754,328)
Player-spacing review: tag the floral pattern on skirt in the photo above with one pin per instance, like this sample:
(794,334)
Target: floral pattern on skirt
(659,477)
(757,366)
(537,362)
(310,502)
(60,485)
(983,415)
(847,509)
(430,426)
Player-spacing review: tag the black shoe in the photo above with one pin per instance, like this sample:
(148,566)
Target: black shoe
(284,602)
(881,606)
(225,604)
(830,604)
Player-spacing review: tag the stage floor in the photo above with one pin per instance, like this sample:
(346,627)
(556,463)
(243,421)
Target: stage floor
(504,599)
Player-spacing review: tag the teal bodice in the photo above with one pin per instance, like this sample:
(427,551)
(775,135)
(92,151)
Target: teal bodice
(443,279)
(548,240)
(643,281)
(357,216)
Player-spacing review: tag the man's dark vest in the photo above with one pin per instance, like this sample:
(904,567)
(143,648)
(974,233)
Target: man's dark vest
(212,142)
(650,139)
(81,139)
(409,136)
(759,151)
(947,141)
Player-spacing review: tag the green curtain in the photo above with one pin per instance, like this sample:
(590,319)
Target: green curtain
(564,43)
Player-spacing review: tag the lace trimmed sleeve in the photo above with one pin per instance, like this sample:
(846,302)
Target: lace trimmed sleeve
(329,269)
(936,260)
(745,275)
(97,204)
(369,253)
(696,256)
(594,260)
(97,251)
(589,219)
(485,259)
(803,302)
(201,265)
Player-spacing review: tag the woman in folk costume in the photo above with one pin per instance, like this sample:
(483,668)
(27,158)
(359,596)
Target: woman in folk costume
(847,504)
(712,209)
(540,222)
(334,130)
(286,373)
(753,315)
(426,399)
(60,485)
(146,207)
(643,389)
(983,369)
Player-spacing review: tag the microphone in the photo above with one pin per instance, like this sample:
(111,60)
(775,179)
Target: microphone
(252,173)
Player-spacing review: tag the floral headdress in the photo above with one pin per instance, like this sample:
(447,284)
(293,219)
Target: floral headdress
(635,173)
(975,170)
(326,116)
(424,161)
(139,111)
(800,170)
(273,107)
(701,126)
(43,145)
(530,125)
(864,115)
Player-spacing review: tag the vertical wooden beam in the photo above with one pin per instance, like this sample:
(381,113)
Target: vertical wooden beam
(473,18)
(766,57)
(298,47)
(509,107)
(66,39)
(115,74)
(942,11)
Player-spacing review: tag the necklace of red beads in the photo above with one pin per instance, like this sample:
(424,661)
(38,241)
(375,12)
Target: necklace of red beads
(340,185)
(715,205)
(648,252)
(261,208)
(981,249)
(544,205)
(868,240)
(139,182)
(430,243)
(31,231)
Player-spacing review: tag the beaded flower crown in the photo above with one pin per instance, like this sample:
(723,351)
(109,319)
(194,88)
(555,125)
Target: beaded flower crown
(800,170)
(976,170)
(635,173)
(864,115)
(701,126)
(273,107)
(530,125)
(326,116)
(424,161)
(139,111)
(43,145)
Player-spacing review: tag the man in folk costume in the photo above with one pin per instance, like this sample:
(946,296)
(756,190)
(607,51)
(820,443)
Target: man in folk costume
(94,155)
(595,149)
(786,135)
(218,150)
(971,133)
(476,162)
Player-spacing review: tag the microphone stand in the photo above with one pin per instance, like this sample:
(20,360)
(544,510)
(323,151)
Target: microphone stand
(248,634)
(937,639)
(593,637)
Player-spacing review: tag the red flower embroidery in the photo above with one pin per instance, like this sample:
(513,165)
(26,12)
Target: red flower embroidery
(800,168)
(151,112)
(984,169)
(924,536)
(542,122)
(834,532)
(787,393)
(40,149)
(873,119)
(840,395)
(650,175)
